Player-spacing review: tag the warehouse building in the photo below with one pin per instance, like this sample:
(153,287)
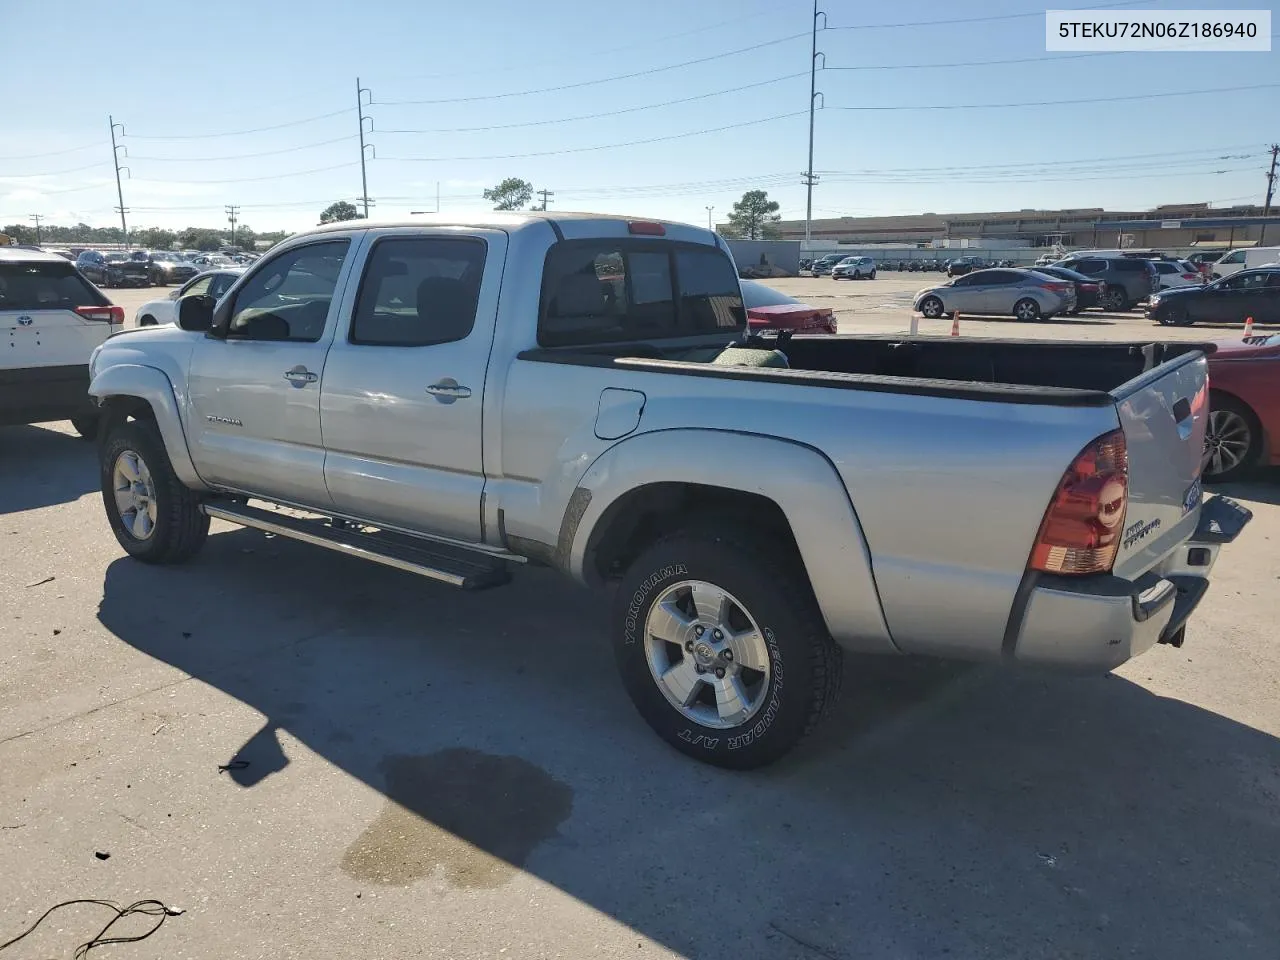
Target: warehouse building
(1177,227)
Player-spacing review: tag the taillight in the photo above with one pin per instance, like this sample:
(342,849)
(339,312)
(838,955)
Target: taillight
(1080,533)
(1191,276)
(110,314)
(646,228)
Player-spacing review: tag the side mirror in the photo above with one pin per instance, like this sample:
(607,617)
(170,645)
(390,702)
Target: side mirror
(174,294)
(195,313)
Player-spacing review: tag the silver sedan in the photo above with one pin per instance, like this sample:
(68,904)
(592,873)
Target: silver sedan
(1023,294)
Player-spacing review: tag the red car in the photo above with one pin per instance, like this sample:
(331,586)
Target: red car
(1244,407)
(767,309)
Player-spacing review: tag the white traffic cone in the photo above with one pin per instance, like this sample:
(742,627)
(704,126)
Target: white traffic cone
(1248,327)
(955,323)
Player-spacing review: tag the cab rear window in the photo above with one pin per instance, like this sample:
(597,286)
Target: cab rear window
(610,291)
(41,285)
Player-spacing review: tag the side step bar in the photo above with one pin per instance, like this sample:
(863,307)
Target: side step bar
(457,567)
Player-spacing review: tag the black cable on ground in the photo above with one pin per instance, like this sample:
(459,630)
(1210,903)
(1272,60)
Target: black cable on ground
(150,908)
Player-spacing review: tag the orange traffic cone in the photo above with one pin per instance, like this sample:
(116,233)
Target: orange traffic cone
(955,323)
(1248,327)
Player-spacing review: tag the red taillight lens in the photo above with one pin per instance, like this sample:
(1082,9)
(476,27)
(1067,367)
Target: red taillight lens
(1191,276)
(1057,287)
(1081,529)
(111,314)
(646,228)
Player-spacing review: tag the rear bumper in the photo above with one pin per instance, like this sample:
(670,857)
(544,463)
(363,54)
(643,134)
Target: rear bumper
(1097,623)
(41,394)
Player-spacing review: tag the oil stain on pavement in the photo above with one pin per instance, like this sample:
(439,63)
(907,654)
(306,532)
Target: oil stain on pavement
(475,815)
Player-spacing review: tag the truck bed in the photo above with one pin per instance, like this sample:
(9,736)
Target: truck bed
(1072,373)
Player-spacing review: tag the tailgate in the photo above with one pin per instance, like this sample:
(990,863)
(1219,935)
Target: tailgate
(1163,415)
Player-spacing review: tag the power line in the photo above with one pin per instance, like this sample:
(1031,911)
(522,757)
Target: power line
(237,133)
(1059,103)
(1052,163)
(988,19)
(249,156)
(52,173)
(53,153)
(274,176)
(599,146)
(608,113)
(592,83)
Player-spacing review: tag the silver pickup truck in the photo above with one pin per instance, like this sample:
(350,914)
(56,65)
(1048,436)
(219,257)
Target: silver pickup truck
(459,398)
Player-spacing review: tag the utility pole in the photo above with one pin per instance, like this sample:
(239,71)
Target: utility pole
(364,179)
(37,218)
(1271,192)
(809,178)
(232,215)
(709,226)
(544,194)
(115,159)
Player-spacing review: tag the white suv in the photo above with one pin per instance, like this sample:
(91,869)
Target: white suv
(52,319)
(854,268)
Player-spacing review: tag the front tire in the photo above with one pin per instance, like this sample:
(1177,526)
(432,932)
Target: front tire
(872,275)
(155,518)
(147,321)
(722,648)
(931,307)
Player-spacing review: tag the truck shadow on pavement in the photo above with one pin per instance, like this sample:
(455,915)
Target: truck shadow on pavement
(41,467)
(970,811)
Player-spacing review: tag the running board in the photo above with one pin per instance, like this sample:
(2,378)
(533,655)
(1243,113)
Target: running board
(457,567)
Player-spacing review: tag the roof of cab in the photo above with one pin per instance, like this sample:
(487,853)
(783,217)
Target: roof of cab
(505,220)
(19,254)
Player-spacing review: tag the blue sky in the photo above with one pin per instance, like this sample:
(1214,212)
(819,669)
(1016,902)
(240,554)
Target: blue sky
(186,78)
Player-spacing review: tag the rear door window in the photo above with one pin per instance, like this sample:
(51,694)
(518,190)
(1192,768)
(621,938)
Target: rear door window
(419,291)
(53,285)
(1133,266)
(1091,267)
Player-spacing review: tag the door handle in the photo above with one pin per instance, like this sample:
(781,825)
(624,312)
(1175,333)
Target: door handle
(448,390)
(300,376)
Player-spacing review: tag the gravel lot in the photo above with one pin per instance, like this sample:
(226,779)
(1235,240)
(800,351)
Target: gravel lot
(438,774)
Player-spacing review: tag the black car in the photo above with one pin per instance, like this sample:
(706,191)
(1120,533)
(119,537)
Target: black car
(823,266)
(164,268)
(1249,293)
(962,265)
(1128,280)
(1089,290)
(113,269)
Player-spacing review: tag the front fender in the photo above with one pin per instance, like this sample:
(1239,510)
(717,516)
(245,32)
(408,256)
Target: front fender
(151,385)
(798,478)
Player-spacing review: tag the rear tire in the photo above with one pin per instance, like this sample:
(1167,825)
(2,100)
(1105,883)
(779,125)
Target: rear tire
(147,321)
(155,518)
(1115,301)
(1026,310)
(752,597)
(872,276)
(1232,440)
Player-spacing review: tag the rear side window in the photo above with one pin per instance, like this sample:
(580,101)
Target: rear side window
(1132,266)
(1090,267)
(609,291)
(45,286)
(1164,266)
(418,292)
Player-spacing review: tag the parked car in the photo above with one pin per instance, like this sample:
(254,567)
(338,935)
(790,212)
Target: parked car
(1177,273)
(902,266)
(613,450)
(1245,259)
(962,265)
(53,319)
(854,268)
(1252,293)
(1128,280)
(1045,259)
(212,261)
(165,268)
(1089,290)
(1023,294)
(213,283)
(913,266)
(111,269)
(824,265)
(1244,407)
(767,309)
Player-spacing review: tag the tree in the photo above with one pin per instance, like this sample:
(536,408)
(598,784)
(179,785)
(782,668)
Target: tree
(20,233)
(199,238)
(342,210)
(153,238)
(511,194)
(754,216)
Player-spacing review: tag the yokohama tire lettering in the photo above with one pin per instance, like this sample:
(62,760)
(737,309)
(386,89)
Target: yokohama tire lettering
(642,592)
